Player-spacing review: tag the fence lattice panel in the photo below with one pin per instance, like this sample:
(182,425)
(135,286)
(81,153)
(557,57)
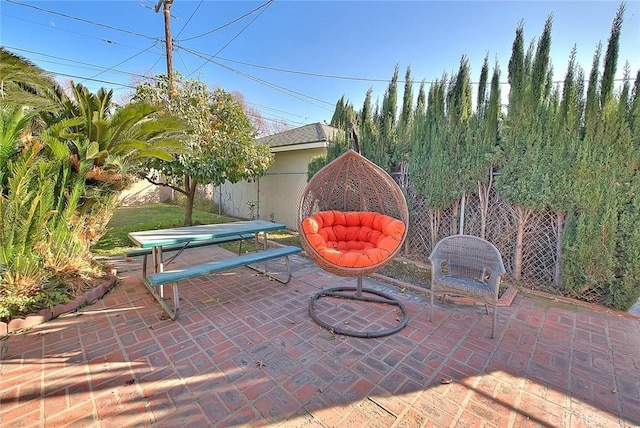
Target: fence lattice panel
(539,245)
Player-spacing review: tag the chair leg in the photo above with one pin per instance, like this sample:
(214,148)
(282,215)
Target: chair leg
(495,317)
(431,307)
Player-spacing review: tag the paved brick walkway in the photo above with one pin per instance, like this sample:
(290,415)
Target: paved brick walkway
(244,352)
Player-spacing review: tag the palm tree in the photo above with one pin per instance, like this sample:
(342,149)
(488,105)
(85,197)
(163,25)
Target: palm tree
(22,83)
(62,162)
(109,143)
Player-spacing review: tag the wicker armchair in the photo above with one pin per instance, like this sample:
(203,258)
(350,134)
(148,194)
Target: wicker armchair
(464,265)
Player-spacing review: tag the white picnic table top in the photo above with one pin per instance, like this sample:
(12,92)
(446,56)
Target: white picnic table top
(177,235)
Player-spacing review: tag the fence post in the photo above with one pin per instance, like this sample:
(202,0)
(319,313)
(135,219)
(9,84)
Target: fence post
(462,201)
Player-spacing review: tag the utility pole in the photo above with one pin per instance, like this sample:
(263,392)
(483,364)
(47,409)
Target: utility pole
(168,42)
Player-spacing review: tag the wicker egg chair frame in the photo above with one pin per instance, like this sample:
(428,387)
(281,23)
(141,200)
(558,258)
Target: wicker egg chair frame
(353,183)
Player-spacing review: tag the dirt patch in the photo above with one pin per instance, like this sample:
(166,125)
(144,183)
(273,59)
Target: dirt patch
(408,271)
(87,294)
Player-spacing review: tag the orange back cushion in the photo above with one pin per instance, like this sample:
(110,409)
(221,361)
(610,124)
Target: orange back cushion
(353,238)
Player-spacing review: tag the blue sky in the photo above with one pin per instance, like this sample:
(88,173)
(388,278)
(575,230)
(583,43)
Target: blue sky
(279,54)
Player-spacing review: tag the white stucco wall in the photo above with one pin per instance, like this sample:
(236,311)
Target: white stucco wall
(279,189)
(143,192)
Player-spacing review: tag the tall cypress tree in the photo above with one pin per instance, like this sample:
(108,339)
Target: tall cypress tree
(494,108)
(624,102)
(383,152)
(482,86)
(429,171)
(627,289)
(611,57)
(541,65)
(488,118)
(421,102)
(600,255)
(560,155)
(634,111)
(403,142)
(460,107)
(516,74)
(592,107)
(407,100)
(522,180)
(343,115)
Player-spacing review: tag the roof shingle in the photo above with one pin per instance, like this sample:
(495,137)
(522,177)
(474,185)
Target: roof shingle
(312,133)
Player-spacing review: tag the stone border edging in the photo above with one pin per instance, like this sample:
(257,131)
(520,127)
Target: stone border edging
(31,320)
(575,302)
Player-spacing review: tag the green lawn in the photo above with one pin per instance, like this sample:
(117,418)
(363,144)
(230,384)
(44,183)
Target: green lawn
(161,216)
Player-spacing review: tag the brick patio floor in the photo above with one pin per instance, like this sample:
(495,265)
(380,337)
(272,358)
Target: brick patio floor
(244,352)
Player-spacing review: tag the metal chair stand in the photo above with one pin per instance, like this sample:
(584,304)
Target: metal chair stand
(364,295)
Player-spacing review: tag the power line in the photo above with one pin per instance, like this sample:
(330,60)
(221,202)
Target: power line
(311,74)
(277,110)
(86,21)
(307,73)
(189,20)
(363,79)
(276,119)
(233,38)
(123,61)
(110,42)
(130,74)
(284,90)
(183,62)
(123,85)
(94,66)
(228,23)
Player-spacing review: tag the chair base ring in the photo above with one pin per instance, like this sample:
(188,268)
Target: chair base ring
(381,298)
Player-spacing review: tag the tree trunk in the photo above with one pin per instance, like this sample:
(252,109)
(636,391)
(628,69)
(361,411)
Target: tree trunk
(559,226)
(484,191)
(522,215)
(435,216)
(455,214)
(190,187)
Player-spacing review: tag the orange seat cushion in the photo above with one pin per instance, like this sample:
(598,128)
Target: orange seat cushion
(353,239)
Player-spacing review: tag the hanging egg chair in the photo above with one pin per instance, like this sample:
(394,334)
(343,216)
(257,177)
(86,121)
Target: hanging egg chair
(353,219)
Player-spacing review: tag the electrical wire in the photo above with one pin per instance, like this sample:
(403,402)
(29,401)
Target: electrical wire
(234,37)
(123,85)
(284,90)
(308,73)
(133,33)
(312,74)
(129,74)
(276,110)
(110,42)
(123,61)
(189,20)
(363,79)
(93,66)
(228,23)
(183,63)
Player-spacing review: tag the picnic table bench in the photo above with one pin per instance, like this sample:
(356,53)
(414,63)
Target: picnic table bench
(172,277)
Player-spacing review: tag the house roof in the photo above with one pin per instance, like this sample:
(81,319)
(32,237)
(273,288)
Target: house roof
(307,136)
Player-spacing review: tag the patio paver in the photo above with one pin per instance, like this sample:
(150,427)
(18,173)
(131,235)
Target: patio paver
(244,352)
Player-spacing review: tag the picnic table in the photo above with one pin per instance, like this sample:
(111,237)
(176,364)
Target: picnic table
(180,238)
